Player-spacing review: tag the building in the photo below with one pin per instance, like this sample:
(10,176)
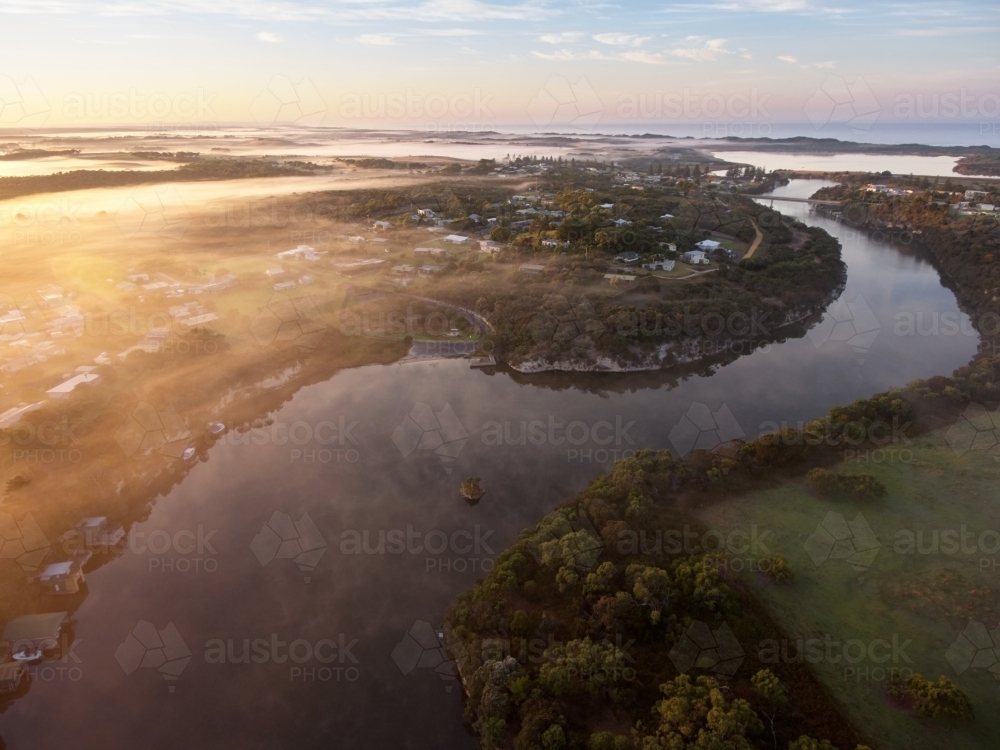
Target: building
(428,270)
(63,577)
(283,286)
(430,250)
(532,269)
(549,242)
(618,279)
(13,415)
(63,390)
(302,252)
(223,282)
(98,534)
(379,225)
(623,223)
(306,281)
(273,272)
(627,258)
(667,216)
(708,245)
(660,265)
(492,247)
(200,320)
(975,195)
(11,675)
(401,270)
(695,258)
(457,239)
(34,632)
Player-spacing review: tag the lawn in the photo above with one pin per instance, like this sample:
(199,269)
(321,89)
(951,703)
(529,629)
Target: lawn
(921,598)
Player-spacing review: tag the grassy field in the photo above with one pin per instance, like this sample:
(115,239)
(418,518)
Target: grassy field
(918,596)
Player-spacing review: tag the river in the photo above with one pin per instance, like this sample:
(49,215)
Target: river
(334,666)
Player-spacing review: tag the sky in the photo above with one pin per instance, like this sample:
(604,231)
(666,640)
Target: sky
(709,66)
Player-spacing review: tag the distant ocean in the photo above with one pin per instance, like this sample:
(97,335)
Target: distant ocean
(951,133)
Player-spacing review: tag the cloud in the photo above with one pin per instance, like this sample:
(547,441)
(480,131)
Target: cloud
(621,40)
(788,59)
(309,11)
(710,50)
(379,40)
(566,36)
(267,36)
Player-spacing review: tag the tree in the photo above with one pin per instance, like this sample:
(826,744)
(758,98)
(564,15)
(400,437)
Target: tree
(772,694)
(777,568)
(696,716)
(554,738)
(941,699)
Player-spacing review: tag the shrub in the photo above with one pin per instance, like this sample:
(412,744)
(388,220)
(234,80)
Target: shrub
(941,699)
(777,569)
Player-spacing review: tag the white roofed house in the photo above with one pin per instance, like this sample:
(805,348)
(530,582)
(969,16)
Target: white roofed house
(695,258)
(708,245)
(63,577)
(382,225)
(457,239)
(273,272)
(66,388)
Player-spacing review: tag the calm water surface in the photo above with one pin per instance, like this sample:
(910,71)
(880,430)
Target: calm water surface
(360,697)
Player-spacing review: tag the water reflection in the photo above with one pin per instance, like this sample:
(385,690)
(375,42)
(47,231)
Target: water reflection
(396,539)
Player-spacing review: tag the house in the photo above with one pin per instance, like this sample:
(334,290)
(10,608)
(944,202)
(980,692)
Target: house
(283,286)
(457,239)
(51,294)
(430,250)
(428,270)
(12,316)
(708,245)
(617,279)
(401,270)
(135,278)
(272,272)
(356,239)
(628,258)
(306,281)
(549,242)
(200,320)
(695,258)
(34,631)
(667,216)
(64,577)
(975,195)
(489,246)
(380,225)
(11,675)
(302,252)
(13,415)
(532,269)
(63,390)
(224,282)
(608,205)
(98,534)
(660,265)
(623,223)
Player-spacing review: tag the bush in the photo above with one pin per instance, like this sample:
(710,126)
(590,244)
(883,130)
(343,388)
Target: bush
(939,700)
(609,741)
(827,484)
(554,738)
(777,569)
